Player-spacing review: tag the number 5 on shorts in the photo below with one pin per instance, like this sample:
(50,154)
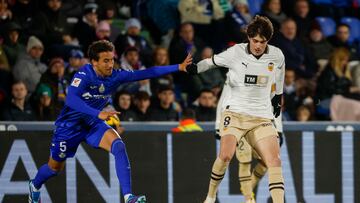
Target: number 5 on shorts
(63,146)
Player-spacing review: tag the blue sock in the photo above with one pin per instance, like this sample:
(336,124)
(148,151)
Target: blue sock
(122,165)
(43,174)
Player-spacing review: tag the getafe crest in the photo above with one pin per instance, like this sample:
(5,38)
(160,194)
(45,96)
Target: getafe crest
(270,66)
(102,88)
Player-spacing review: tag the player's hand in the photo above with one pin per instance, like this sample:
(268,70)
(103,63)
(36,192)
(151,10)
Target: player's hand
(185,63)
(105,115)
(276,103)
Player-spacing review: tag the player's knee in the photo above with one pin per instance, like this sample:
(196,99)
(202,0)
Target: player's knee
(56,167)
(274,162)
(117,147)
(226,156)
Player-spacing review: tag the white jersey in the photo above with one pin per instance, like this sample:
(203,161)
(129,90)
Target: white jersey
(250,79)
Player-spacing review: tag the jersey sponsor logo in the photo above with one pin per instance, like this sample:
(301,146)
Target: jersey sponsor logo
(82,73)
(257,80)
(76,82)
(271,66)
(87,95)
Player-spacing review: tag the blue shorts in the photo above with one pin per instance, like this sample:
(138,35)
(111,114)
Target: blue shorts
(65,141)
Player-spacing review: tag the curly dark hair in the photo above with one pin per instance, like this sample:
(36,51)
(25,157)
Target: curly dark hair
(99,46)
(261,26)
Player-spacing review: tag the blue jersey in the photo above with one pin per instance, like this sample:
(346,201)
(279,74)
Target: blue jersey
(89,93)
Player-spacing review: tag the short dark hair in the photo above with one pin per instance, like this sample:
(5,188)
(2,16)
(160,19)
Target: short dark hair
(130,49)
(142,95)
(343,25)
(262,26)
(99,46)
(163,88)
(206,90)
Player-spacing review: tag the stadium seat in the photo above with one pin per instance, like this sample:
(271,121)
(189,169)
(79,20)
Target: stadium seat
(327,24)
(255,6)
(354,25)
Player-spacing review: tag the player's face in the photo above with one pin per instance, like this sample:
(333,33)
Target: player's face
(105,64)
(257,45)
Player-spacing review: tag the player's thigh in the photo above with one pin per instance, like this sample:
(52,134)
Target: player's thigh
(64,144)
(243,151)
(101,135)
(230,134)
(269,150)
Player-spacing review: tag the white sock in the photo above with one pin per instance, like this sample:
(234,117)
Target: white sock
(126,197)
(209,200)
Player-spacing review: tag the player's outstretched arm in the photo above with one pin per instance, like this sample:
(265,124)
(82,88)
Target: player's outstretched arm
(152,72)
(73,98)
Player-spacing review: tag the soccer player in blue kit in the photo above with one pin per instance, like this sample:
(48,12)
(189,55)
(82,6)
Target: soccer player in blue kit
(81,119)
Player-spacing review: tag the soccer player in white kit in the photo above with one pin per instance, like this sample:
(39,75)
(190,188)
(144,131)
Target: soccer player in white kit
(252,68)
(244,153)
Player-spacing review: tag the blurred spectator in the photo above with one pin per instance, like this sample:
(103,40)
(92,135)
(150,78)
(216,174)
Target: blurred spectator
(45,108)
(18,109)
(122,103)
(50,25)
(4,64)
(185,43)
(132,38)
(161,58)
(75,63)
(296,55)
(85,29)
(205,16)
(319,46)
(142,104)
(131,61)
(165,110)
(187,122)
(302,94)
(341,39)
(303,113)
(103,30)
(302,18)
(110,15)
(336,79)
(5,87)
(211,79)
(54,78)
(236,22)
(344,109)
(355,75)
(23,13)
(165,16)
(206,110)
(72,8)
(12,46)
(180,46)
(114,121)
(5,14)
(272,10)
(28,66)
